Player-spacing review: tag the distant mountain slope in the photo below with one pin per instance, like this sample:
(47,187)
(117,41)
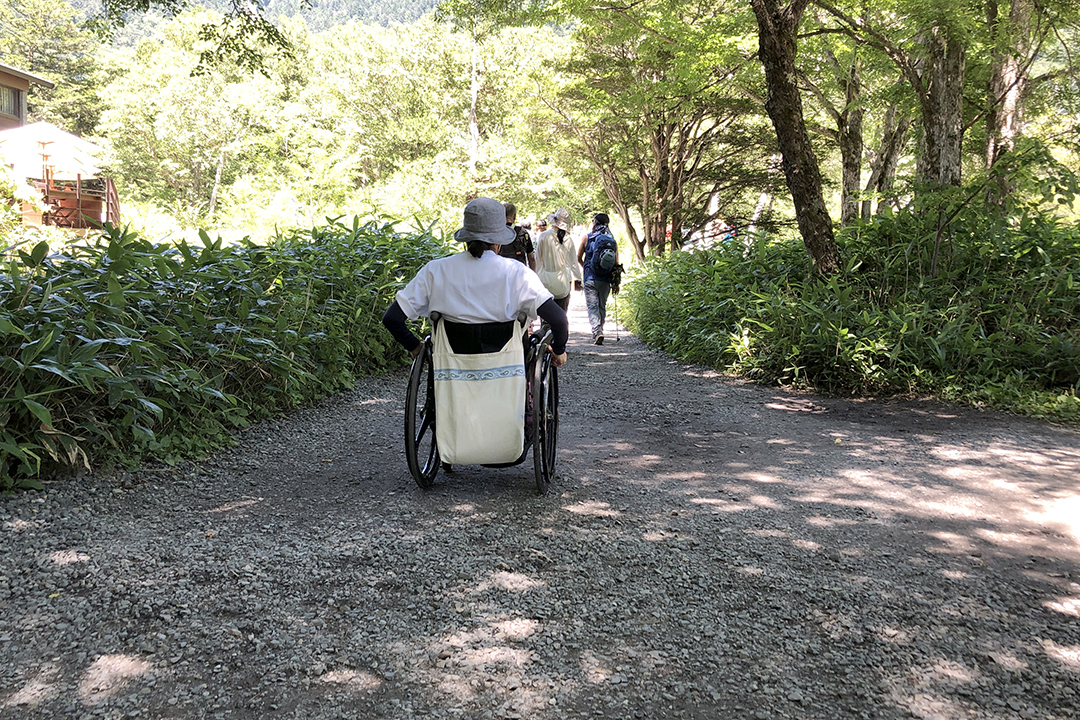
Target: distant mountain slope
(325,14)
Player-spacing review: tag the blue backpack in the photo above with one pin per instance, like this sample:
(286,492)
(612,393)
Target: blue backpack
(605,252)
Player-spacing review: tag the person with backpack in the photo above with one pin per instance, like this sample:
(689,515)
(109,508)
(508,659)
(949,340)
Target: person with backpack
(598,255)
(556,262)
(521,248)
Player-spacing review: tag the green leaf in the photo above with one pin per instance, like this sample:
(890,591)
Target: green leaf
(39,253)
(40,411)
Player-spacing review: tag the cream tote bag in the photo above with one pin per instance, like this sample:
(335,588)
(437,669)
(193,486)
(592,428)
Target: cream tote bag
(479,402)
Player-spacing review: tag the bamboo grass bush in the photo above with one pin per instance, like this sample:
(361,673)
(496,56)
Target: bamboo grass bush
(123,348)
(999,324)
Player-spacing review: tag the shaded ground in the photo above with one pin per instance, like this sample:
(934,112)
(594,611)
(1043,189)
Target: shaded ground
(710,549)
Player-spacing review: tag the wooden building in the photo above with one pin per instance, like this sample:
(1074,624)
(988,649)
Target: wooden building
(63,169)
(14,84)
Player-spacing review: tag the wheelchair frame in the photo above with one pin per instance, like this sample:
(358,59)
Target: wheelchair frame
(421,448)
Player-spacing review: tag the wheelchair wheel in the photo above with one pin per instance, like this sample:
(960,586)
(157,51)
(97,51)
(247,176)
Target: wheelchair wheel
(545,390)
(421,451)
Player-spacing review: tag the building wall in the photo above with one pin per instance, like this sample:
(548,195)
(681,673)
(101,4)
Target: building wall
(12,100)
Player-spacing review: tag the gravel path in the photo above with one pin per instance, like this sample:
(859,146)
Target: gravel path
(710,549)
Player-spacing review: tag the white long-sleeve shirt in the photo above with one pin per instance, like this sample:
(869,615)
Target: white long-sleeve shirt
(556,263)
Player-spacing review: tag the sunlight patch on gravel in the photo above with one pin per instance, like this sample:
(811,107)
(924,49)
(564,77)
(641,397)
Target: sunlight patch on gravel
(36,691)
(68,557)
(352,679)
(1063,513)
(764,501)
(1065,605)
(1066,655)
(690,475)
(109,675)
(513,582)
(22,525)
(498,655)
(517,629)
(806,545)
(597,509)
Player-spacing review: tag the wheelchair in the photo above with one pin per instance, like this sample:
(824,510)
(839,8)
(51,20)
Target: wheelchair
(541,414)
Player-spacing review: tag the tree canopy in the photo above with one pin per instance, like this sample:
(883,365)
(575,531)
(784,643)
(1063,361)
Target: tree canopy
(683,118)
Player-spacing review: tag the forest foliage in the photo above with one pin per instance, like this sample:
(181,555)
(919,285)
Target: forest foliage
(994,324)
(123,348)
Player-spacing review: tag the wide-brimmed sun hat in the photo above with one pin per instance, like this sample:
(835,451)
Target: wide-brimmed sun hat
(561,219)
(485,220)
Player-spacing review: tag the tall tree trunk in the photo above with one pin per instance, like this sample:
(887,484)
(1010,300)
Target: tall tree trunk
(883,165)
(631,232)
(851,143)
(1007,85)
(217,183)
(777,28)
(1008,76)
(474,125)
(942,108)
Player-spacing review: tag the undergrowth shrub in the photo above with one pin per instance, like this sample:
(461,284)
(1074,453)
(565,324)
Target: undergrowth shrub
(998,324)
(123,348)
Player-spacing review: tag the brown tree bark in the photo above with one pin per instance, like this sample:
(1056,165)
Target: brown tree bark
(777,27)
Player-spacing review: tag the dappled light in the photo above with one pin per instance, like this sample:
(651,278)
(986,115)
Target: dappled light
(21,525)
(717,558)
(594,670)
(1067,656)
(36,690)
(352,680)
(514,582)
(592,508)
(1065,605)
(67,557)
(109,675)
(1062,514)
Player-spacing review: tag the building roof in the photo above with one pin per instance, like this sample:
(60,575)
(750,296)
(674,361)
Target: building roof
(36,79)
(31,149)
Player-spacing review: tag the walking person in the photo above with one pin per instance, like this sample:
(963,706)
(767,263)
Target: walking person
(541,226)
(556,261)
(521,247)
(598,255)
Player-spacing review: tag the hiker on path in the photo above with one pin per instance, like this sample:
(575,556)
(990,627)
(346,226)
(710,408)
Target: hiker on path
(598,255)
(541,226)
(556,261)
(521,247)
(477,286)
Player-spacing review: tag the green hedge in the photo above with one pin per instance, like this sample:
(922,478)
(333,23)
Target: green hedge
(998,324)
(122,348)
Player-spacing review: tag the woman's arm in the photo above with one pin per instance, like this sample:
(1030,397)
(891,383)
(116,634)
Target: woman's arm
(394,321)
(554,316)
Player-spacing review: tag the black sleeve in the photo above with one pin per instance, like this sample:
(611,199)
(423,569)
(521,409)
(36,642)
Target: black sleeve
(394,321)
(554,316)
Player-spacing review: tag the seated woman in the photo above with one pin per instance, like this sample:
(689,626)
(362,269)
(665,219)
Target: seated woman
(477,286)
(480,297)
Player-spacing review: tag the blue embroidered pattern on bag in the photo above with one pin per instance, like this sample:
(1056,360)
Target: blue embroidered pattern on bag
(498,373)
